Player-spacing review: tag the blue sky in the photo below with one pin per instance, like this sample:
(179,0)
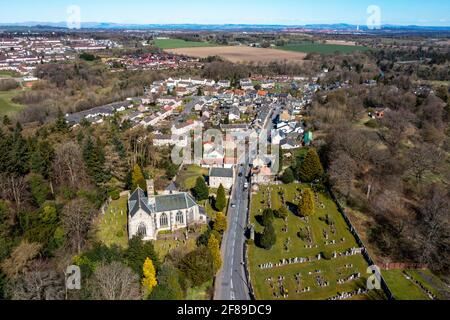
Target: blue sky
(419,12)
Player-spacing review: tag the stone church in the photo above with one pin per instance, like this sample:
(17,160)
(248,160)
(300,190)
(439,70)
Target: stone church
(149,214)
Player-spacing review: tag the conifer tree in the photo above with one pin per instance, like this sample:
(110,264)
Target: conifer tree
(149,281)
(214,249)
(306,205)
(221,200)
(311,168)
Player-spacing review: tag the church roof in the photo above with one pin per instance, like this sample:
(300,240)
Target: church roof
(173,202)
(138,201)
(221,172)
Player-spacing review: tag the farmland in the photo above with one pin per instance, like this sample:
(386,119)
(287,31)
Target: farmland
(239,54)
(178,43)
(323,48)
(289,245)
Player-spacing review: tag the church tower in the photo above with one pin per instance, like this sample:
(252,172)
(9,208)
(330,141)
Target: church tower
(151,192)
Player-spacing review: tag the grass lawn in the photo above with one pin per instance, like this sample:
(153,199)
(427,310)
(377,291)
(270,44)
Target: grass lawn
(8,74)
(331,270)
(402,288)
(188,176)
(432,282)
(7,107)
(311,47)
(163,247)
(199,293)
(178,43)
(112,227)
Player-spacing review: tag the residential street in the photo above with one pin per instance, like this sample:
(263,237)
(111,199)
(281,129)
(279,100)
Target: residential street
(231,282)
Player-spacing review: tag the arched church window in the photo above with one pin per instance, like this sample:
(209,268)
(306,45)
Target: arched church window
(164,221)
(180,217)
(142,230)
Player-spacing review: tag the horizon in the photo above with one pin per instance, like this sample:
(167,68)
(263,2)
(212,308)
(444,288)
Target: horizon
(202,12)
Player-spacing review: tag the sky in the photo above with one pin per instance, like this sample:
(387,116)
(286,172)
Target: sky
(288,12)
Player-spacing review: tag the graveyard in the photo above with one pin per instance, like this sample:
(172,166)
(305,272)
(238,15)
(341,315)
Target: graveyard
(314,258)
(111,224)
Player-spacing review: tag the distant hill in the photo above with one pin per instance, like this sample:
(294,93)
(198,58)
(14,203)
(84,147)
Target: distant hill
(220,27)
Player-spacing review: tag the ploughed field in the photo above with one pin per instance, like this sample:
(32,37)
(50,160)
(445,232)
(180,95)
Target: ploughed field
(315,279)
(239,54)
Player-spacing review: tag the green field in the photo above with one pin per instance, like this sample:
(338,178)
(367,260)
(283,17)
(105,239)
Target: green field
(402,288)
(7,107)
(178,43)
(330,270)
(8,74)
(112,227)
(313,47)
(188,176)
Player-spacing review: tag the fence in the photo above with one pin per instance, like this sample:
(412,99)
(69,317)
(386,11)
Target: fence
(402,266)
(365,253)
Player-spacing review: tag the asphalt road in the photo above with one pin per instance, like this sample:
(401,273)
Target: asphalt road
(231,282)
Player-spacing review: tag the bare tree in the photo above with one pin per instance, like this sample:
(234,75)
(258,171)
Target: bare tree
(435,215)
(422,159)
(68,165)
(19,258)
(13,187)
(76,221)
(39,282)
(342,173)
(115,282)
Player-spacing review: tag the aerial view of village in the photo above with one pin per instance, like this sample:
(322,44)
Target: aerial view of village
(195,153)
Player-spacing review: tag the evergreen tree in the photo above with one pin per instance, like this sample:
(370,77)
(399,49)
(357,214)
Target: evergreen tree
(136,254)
(306,205)
(149,281)
(168,287)
(268,237)
(221,200)
(61,124)
(201,190)
(311,168)
(267,217)
(288,176)
(40,189)
(18,154)
(41,159)
(214,249)
(94,158)
(198,266)
(138,179)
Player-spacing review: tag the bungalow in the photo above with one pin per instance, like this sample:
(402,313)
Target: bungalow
(168,140)
(289,144)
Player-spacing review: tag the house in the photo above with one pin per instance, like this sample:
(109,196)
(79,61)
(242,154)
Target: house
(285,116)
(186,127)
(168,140)
(224,83)
(149,214)
(234,114)
(221,176)
(246,84)
(262,175)
(289,144)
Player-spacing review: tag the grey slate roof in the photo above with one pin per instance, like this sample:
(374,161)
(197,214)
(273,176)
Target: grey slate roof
(138,201)
(174,202)
(221,172)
